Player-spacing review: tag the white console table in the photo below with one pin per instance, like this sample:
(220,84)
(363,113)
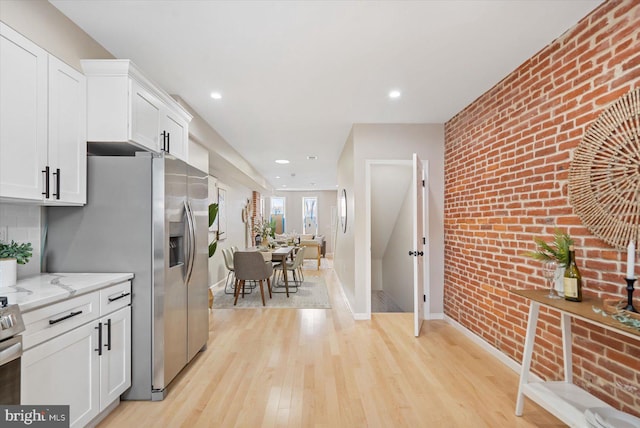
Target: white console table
(563,399)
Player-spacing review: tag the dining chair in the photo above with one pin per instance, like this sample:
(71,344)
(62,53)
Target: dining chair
(314,249)
(295,267)
(251,266)
(227,253)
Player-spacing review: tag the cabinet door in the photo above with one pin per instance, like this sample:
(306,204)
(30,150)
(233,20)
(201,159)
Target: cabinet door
(67,133)
(178,136)
(64,371)
(115,363)
(23,116)
(145,117)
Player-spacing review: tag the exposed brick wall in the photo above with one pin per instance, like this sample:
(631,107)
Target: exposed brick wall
(507,159)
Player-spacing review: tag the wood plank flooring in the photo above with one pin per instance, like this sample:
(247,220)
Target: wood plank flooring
(320,368)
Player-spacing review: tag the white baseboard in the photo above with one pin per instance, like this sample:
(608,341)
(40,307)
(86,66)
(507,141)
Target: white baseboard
(436,316)
(516,367)
(361,316)
(214,285)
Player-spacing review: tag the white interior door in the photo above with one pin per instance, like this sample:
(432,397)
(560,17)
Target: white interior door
(418,243)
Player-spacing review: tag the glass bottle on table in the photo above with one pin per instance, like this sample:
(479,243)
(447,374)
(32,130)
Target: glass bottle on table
(572,279)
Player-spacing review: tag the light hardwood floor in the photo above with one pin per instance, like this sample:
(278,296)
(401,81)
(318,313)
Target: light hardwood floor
(320,368)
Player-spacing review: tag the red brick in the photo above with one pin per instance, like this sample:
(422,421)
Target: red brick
(506,180)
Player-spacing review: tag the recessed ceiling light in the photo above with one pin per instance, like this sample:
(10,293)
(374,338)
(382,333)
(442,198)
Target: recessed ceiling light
(277,176)
(284,185)
(216,95)
(312,157)
(394,94)
(282,161)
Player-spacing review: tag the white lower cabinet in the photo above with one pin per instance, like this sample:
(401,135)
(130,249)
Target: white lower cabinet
(65,371)
(115,362)
(86,367)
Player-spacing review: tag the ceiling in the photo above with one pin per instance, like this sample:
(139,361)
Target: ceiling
(295,75)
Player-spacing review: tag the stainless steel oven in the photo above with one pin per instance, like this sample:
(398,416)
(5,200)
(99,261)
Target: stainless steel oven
(11,325)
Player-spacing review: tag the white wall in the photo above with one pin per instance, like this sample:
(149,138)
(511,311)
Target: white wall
(198,156)
(293,210)
(235,200)
(388,141)
(47,27)
(22,223)
(344,256)
(376,274)
(397,266)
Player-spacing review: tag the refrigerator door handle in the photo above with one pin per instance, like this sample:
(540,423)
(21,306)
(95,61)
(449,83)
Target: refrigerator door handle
(191,244)
(193,240)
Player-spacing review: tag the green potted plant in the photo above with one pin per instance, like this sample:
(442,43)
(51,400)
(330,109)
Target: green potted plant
(557,250)
(213,213)
(10,256)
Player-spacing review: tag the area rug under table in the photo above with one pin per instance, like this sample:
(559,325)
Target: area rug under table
(312,294)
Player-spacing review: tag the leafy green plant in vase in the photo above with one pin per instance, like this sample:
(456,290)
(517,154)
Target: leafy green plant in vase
(213,213)
(12,255)
(213,245)
(558,251)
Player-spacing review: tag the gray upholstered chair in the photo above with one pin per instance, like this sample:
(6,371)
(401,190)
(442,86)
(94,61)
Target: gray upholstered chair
(251,266)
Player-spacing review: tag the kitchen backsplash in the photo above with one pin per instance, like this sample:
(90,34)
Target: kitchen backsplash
(23,224)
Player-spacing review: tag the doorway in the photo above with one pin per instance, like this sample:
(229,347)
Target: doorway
(390,219)
(391,269)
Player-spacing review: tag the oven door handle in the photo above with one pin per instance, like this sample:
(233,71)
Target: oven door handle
(10,350)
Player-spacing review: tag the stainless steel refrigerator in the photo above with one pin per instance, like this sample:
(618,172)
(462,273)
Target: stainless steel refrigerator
(147,215)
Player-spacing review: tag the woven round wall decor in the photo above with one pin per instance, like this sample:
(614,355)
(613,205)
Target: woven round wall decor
(604,177)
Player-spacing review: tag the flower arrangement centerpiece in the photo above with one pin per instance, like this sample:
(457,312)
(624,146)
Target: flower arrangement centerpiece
(265,229)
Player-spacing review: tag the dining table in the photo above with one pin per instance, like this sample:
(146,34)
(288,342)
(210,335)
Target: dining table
(280,254)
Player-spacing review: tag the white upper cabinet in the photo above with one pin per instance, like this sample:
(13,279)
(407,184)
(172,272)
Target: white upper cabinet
(146,112)
(23,116)
(67,133)
(126,107)
(42,125)
(175,137)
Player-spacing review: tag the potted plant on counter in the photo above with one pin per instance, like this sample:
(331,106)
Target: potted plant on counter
(10,256)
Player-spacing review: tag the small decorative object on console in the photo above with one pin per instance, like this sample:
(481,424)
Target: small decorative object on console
(572,279)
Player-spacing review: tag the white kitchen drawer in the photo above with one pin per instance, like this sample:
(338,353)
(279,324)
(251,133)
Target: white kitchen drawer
(50,321)
(115,297)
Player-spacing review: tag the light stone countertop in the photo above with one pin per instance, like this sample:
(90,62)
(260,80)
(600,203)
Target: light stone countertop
(47,288)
